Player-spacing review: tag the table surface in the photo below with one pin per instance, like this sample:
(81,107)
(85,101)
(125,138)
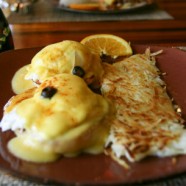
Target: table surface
(170,32)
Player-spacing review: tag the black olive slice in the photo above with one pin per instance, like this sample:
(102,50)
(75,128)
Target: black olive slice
(48,92)
(78,71)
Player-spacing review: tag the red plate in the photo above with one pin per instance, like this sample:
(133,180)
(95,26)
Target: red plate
(98,169)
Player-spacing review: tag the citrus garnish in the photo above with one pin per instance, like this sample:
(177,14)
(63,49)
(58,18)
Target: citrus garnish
(108,45)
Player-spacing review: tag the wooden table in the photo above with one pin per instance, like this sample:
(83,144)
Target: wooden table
(154,32)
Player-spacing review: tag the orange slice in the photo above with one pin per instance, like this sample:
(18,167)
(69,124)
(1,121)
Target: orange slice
(108,45)
(84,6)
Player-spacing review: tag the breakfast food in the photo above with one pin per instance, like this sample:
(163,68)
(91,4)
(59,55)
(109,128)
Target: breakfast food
(68,2)
(146,122)
(103,5)
(61,116)
(80,4)
(85,6)
(65,57)
(120,4)
(130,117)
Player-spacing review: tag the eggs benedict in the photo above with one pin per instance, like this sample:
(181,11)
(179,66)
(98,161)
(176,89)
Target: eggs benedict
(60,117)
(65,57)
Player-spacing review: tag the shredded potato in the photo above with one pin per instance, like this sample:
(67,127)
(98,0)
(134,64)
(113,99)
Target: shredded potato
(146,121)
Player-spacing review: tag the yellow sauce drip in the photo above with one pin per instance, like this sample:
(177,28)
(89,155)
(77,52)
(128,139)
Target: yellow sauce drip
(34,152)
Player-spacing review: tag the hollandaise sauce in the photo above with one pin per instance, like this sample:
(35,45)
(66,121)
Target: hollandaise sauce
(62,116)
